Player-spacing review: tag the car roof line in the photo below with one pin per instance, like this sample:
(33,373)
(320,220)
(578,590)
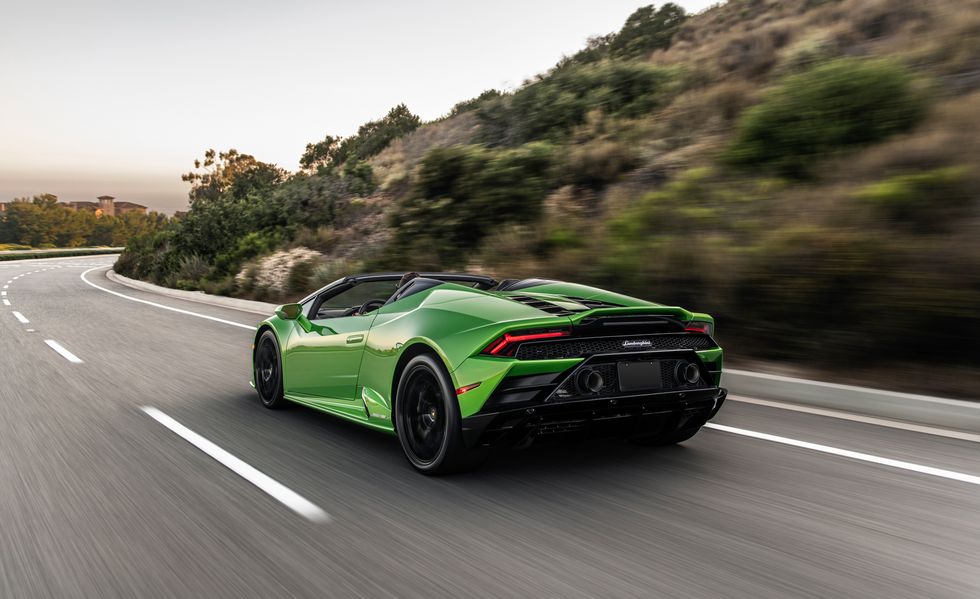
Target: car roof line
(392,276)
(447,276)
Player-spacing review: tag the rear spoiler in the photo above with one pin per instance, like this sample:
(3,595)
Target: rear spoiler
(672,311)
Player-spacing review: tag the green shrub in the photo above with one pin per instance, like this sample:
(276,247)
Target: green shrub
(462,192)
(193,268)
(838,105)
(249,246)
(597,163)
(927,201)
(646,30)
(300,274)
(474,103)
(550,108)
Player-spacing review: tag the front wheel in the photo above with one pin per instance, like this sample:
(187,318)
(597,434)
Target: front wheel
(267,368)
(428,422)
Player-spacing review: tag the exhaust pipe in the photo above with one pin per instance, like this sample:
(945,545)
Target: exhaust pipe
(589,381)
(687,373)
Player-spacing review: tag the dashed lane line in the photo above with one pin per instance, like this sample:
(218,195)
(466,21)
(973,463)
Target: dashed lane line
(62,351)
(274,488)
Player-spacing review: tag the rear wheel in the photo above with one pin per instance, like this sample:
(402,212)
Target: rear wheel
(428,422)
(268,371)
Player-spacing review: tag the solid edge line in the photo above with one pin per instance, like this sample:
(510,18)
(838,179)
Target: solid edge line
(885,422)
(846,453)
(275,489)
(156,305)
(20,317)
(853,388)
(198,298)
(62,351)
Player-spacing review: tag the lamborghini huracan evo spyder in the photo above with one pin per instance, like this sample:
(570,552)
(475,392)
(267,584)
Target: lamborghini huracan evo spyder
(455,364)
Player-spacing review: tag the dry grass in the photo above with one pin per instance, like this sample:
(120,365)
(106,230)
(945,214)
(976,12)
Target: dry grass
(947,137)
(396,162)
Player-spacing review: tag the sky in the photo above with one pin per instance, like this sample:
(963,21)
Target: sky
(119,98)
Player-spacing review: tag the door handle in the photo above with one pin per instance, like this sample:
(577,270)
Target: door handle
(355,339)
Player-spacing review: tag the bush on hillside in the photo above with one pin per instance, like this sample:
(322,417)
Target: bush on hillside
(463,192)
(550,108)
(926,201)
(370,139)
(838,105)
(646,30)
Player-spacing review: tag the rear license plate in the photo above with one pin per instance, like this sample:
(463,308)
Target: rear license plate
(639,376)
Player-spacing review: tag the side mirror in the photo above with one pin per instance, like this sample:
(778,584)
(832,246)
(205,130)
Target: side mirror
(289,311)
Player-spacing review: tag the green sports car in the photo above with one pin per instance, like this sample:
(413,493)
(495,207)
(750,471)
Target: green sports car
(456,364)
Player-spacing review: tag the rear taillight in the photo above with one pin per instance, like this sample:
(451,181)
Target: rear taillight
(504,346)
(694,326)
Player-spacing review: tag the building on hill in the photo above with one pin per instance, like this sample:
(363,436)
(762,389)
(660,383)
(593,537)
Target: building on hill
(124,207)
(108,206)
(86,206)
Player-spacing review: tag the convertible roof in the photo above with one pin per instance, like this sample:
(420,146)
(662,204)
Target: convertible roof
(486,282)
(439,276)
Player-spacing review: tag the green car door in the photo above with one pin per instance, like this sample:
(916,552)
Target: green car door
(323,355)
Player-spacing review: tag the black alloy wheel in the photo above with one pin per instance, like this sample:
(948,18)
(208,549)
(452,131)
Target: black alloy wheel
(427,419)
(268,371)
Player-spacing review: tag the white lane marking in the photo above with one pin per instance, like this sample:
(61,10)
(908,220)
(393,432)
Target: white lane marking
(854,455)
(5,286)
(20,317)
(841,387)
(274,488)
(64,352)
(6,302)
(897,424)
(3,293)
(172,309)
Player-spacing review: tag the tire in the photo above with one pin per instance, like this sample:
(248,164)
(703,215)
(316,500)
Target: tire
(267,369)
(672,438)
(427,420)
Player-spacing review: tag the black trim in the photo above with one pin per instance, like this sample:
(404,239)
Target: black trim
(416,285)
(633,416)
(535,390)
(483,282)
(511,285)
(578,346)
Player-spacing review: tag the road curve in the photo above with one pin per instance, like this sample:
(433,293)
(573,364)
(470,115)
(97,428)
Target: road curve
(100,497)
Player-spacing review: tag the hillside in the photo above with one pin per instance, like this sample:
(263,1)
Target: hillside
(805,170)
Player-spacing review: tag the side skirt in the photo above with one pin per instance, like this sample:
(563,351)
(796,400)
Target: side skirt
(346,409)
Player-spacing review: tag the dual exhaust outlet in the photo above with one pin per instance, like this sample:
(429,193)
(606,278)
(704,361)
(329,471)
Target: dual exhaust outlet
(589,380)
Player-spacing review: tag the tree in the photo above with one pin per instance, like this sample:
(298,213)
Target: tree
(646,30)
(374,136)
(232,172)
(319,157)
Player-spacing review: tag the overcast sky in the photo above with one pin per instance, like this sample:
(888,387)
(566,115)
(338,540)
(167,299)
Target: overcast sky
(119,98)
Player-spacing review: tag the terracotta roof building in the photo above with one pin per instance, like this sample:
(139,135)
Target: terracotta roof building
(108,206)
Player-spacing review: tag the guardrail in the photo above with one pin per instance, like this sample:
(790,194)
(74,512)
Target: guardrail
(56,253)
(923,409)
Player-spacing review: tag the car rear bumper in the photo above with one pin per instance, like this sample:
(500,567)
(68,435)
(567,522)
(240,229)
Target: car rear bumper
(642,415)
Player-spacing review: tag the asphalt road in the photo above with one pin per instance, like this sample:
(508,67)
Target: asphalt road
(98,499)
